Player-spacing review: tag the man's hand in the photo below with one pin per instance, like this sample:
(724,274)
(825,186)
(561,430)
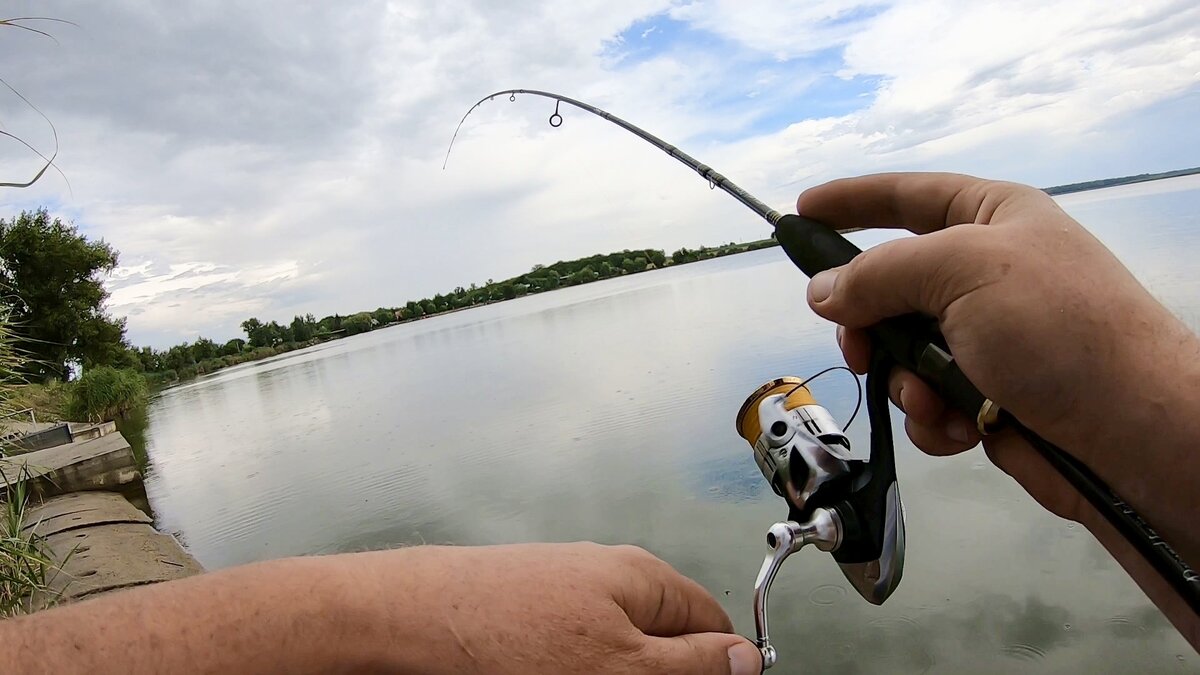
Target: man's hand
(530,609)
(551,608)
(1048,324)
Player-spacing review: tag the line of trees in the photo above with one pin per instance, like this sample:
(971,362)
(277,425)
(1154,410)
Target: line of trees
(265,339)
(53,279)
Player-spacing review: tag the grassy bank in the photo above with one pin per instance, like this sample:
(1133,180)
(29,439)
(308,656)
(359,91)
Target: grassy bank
(100,394)
(48,401)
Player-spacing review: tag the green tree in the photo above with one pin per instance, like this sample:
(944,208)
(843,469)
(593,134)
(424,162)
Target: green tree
(151,360)
(179,357)
(303,328)
(657,257)
(383,316)
(256,334)
(101,342)
(234,346)
(508,291)
(203,348)
(358,323)
(53,275)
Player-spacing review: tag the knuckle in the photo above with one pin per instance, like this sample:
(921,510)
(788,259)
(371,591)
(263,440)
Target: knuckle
(634,554)
(972,256)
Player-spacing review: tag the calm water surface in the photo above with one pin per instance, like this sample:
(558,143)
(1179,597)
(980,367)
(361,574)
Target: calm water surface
(605,412)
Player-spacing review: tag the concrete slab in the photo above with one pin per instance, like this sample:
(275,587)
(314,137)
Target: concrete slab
(82,509)
(104,463)
(86,431)
(59,434)
(105,558)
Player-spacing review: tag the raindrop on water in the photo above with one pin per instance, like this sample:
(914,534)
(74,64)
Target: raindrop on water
(1025,652)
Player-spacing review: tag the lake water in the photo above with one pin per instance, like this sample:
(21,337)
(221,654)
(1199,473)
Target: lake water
(605,412)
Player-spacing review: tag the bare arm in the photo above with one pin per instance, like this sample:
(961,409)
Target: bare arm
(283,616)
(537,608)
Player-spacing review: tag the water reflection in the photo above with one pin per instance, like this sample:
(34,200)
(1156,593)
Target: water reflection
(132,426)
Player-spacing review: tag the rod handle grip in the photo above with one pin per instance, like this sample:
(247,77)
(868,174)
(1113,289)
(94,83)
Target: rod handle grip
(913,340)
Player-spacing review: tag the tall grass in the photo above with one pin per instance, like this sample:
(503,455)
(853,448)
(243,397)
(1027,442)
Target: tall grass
(27,567)
(10,362)
(26,564)
(106,393)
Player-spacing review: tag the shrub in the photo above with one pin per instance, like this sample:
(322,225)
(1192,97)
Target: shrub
(105,393)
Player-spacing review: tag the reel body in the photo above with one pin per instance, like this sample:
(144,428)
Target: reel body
(847,507)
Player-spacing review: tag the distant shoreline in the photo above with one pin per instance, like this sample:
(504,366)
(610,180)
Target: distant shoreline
(541,279)
(1123,180)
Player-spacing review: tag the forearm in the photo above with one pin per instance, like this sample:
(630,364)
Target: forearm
(1152,584)
(1151,455)
(282,616)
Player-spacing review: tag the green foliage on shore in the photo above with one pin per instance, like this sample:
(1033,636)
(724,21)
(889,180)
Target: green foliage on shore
(105,393)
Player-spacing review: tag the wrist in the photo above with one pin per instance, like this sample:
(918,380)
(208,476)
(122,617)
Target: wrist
(334,621)
(377,604)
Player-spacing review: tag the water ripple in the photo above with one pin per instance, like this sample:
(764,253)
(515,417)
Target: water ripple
(826,595)
(1024,652)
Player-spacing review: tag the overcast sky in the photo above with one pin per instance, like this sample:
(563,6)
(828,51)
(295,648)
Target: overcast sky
(260,159)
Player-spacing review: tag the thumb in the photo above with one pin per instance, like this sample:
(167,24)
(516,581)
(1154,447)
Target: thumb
(915,274)
(704,654)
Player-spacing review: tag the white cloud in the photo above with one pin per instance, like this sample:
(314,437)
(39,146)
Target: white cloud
(279,160)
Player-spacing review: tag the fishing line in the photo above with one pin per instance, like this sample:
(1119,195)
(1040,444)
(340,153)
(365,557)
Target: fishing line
(857,383)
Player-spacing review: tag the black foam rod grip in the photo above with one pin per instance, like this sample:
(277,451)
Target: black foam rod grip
(813,246)
(914,341)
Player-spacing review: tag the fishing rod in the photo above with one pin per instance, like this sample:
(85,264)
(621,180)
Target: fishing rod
(853,509)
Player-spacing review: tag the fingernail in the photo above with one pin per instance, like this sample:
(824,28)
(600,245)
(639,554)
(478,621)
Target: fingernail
(821,286)
(958,430)
(744,659)
(840,332)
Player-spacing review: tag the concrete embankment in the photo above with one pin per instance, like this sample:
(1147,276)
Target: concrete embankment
(89,502)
